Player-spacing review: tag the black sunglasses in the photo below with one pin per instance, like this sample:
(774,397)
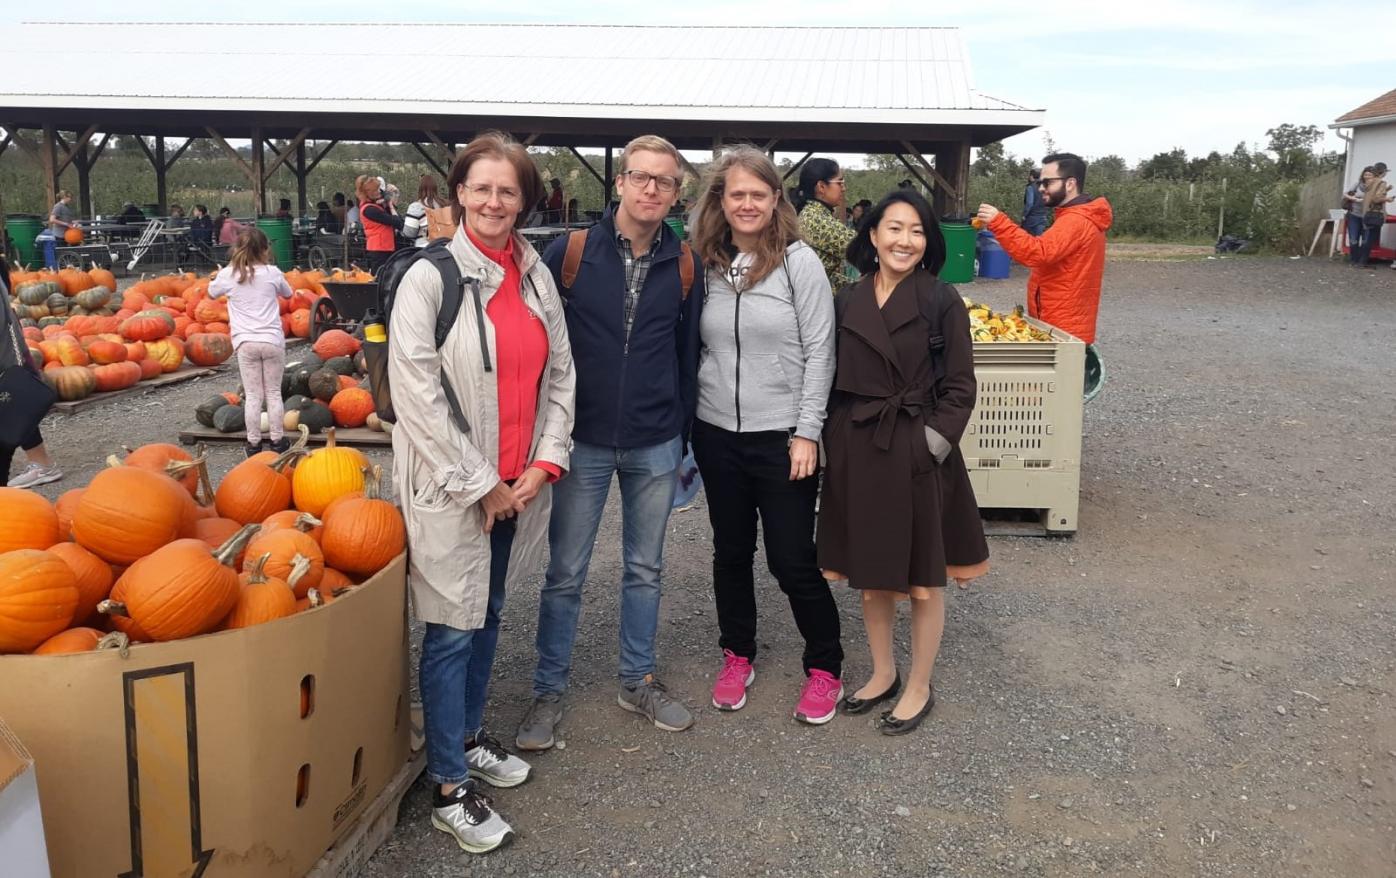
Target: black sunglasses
(1045,180)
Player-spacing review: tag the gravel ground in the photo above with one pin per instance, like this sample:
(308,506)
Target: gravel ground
(1199,683)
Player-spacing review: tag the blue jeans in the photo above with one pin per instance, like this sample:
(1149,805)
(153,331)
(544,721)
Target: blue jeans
(455,672)
(647,482)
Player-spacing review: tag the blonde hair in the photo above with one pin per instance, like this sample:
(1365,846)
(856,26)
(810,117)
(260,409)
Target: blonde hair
(251,250)
(712,237)
(651,143)
(361,186)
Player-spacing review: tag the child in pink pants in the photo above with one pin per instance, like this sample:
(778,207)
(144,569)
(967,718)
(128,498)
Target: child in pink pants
(252,285)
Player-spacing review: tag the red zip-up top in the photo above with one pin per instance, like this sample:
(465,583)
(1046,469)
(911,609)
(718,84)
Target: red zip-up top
(521,354)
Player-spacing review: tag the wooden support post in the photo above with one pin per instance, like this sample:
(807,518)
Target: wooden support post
(162,194)
(259,173)
(83,163)
(916,174)
(302,206)
(5,144)
(449,147)
(284,155)
(71,152)
(609,174)
(319,156)
(952,171)
(426,156)
(588,168)
(795,167)
(48,157)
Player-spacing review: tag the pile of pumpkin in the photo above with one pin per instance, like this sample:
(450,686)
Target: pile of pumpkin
(148,551)
(320,388)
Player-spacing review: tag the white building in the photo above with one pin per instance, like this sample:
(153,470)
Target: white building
(1372,139)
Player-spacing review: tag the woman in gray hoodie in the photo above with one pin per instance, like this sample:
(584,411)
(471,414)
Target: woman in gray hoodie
(763,383)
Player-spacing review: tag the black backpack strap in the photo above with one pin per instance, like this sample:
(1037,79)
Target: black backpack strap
(452,296)
(926,304)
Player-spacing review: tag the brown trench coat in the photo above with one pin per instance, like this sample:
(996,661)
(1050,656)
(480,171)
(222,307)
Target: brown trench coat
(890,517)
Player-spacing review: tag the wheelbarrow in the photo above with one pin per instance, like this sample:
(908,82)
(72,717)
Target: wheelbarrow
(344,308)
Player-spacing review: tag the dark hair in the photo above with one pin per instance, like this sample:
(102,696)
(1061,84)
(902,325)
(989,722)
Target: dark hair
(428,192)
(1069,165)
(863,255)
(201,209)
(864,203)
(1035,174)
(556,183)
(905,184)
(812,173)
(339,199)
(285,204)
(223,210)
(496,145)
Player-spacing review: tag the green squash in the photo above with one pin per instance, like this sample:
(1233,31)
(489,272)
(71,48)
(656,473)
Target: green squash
(229,419)
(295,403)
(316,417)
(323,385)
(37,291)
(204,411)
(340,365)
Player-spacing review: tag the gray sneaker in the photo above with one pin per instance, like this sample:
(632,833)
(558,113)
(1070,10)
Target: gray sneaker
(494,765)
(466,814)
(650,699)
(536,730)
(36,475)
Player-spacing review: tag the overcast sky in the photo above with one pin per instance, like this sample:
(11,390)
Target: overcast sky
(1115,77)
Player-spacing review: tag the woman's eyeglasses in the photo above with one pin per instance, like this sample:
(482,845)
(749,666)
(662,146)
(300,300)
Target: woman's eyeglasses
(481,194)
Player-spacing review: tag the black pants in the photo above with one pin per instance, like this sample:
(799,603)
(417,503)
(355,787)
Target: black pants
(376,258)
(7,454)
(746,474)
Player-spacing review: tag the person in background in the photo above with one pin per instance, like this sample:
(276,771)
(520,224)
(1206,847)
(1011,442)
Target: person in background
(177,220)
(906,184)
(338,208)
(763,382)
(1067,260)
(201,226)
(855,216)
(283,209)
(634,336)
(1373,214)
(351,216)
(897,514)
(380,223)
(131,214)
(61,216)
(14,351)
(228,228)
(818,199)
(555,202)
(325,220)
(474,457)
(252,284)
(574,212)
(415,226)
(1034,207)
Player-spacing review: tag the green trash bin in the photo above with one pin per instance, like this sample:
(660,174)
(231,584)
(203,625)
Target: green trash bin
(959,253)
(278,232)
(23,229)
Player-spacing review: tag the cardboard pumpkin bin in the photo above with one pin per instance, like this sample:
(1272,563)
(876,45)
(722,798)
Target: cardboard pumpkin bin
(239,753)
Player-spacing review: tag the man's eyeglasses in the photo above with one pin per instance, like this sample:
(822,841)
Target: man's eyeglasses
(641,179)
(481,194)
(1042,184)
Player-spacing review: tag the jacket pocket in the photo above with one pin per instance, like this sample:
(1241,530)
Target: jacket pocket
(766,389)
(430,497)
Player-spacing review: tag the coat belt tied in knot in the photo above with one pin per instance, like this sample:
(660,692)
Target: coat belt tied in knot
(885,409)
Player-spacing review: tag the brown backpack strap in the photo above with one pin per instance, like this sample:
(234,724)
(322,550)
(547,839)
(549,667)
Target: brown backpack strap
(572,262)
(685,269)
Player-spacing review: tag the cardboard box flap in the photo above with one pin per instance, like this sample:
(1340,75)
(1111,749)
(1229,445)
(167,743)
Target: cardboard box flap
(14,758)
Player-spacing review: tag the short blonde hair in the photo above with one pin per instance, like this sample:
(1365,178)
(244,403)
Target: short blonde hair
(651,143)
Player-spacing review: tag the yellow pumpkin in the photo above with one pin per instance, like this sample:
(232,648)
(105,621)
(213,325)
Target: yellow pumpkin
(327,473)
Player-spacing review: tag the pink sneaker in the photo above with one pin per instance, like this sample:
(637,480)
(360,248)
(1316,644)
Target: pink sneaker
(820,698)
(729,692)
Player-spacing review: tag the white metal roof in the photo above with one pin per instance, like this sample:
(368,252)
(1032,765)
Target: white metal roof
(781,74)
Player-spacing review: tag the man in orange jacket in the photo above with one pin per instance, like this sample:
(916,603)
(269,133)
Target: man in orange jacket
(1068,260)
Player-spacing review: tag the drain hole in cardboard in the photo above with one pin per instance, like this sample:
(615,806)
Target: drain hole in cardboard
(307,695)
(302,785)
(358,767)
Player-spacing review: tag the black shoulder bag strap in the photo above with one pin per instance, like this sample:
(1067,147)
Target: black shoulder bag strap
(935,340)
(452,296)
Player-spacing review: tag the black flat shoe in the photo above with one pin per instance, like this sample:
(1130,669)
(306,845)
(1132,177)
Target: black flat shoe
(890,725)
(854,706)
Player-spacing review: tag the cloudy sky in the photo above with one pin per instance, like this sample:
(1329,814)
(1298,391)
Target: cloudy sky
(1115,77)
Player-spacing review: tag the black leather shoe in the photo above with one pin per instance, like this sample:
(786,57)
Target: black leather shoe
(890,725)
(854,706)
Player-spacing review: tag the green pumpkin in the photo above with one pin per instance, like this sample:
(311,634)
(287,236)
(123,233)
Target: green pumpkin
(37,291)
(228,419)
(93,297)
(316,417)
(340,365)
(204,411)
(57,303)
(295,403)
(52,321)
(323,385)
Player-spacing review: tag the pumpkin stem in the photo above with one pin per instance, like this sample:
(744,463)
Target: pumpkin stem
(258,574)
(226,553)
(113,460)
(314,597)
(110,607)
(329,437)
(116,640)
(373,481)
(201,454)
(305,522)
(300,566)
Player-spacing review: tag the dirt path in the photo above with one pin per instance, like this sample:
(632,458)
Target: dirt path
(1199,683)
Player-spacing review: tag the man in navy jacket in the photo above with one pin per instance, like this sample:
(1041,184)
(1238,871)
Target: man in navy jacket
(634,336)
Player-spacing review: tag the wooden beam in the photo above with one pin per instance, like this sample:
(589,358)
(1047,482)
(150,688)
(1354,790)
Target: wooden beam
(140,141)
(23,143)
(925,165)
(605,184)
(324,152)
(5,144)
(429,160)
(71,152)
(450,149)
(916,173)
(281,157)
(169,163)
(795,167)
(529,140)
(83,163)
(162,193)
(299,170)
(49,159)
(271,146)
(99,149)
(232,153)
(259,173)
(953,163)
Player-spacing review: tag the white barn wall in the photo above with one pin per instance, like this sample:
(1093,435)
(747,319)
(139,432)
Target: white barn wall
(1372,144)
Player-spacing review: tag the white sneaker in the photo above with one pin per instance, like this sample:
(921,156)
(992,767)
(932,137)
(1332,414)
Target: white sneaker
(35,475)
(494,765)
(466,814)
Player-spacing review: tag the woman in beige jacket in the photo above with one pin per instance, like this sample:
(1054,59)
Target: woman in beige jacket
(474,484)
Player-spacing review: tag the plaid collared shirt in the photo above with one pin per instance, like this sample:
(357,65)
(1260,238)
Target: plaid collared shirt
(637,269)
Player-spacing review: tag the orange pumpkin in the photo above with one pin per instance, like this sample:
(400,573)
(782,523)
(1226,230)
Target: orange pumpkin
(208,348)
(116,376)
(113,608)
(217,531)
(70,352)
(38,596)
(135,351)
(103,277)
(326,473)
(72,237)
(65,506)
(217,328)
(150,368)
(335,343)
(71,641)
(362,535)
(103,352)
(31,522)
(301,521)
(191,330)
(285,547)
(127,512)
(148,325)
(254,489)
(168,352)
(300,323)
(211,311)
(169,460)
(91,574)
(334,582)
(262,598)
(182,589)
(351,406)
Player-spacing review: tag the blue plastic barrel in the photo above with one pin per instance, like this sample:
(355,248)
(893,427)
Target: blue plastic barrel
(993,259)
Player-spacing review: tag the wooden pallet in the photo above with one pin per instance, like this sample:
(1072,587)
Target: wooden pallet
(183,373)
(358,437)
(375,826)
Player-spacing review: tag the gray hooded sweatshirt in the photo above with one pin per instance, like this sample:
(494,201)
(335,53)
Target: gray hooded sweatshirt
(768,351)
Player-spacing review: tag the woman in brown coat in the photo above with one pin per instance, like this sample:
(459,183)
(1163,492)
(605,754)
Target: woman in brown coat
(898,515)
